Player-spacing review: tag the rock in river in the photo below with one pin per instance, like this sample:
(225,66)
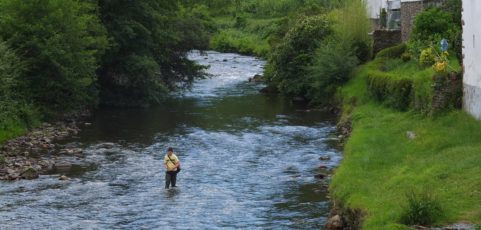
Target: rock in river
(63,177)
(29,174)
(62,166)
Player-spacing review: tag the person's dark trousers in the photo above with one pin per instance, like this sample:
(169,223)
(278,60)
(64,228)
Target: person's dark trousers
(170,179)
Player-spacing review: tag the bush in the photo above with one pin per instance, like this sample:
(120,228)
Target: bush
(15,113)
(427,57)
(405,57)
(388,88)
(434,21)
(432,25)
(332,65)
(392,52)
(286,66)
(60,42)
(421,209)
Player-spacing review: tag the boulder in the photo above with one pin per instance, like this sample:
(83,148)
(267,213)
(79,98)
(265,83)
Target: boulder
(29,174)
(320,176)
(257,78)
(324,158)
(334,223)
(12,174)
(62,166)
(63,177)
(106,145)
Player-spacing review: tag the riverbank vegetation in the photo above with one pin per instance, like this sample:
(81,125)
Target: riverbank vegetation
(59,56)
(412,157)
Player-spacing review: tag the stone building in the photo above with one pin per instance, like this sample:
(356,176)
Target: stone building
(472,57)
(398,11)
(409,10)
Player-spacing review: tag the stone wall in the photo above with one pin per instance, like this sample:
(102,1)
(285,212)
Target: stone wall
(409,10)
(385,38)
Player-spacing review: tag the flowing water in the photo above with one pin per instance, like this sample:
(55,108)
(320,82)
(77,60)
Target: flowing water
(249,161)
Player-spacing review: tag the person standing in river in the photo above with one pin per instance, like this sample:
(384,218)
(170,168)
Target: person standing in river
(172,166)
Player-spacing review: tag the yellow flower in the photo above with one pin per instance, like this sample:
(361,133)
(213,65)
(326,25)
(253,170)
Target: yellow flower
(440,66)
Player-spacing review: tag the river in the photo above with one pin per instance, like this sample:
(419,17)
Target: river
(249,161)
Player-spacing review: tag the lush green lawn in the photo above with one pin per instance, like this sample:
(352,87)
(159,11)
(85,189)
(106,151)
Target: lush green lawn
(382,164)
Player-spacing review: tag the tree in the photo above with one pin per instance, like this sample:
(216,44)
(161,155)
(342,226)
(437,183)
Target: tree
(60,42)
(285,69)
(148,56)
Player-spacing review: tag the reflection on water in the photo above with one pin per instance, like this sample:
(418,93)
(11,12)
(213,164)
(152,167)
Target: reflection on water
(248,162)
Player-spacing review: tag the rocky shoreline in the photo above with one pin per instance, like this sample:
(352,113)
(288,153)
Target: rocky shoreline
(37,152)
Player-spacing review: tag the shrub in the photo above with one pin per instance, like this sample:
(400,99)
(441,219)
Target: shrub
(421,209)
(427,57)
(433,21)
(60,42)
(390,89)
(405,57)
(332,65)
(295,51)
(392,52)
(430,26)
(240,22)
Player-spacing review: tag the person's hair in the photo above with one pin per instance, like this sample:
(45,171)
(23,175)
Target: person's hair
(170,149)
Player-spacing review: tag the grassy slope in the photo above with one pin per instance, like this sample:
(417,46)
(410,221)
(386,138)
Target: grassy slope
(248,39)
(381,164)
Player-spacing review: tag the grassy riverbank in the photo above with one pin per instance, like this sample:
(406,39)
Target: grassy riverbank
(383,166)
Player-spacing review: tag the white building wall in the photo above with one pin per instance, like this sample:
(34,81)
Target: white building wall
(472,56)
(374,7)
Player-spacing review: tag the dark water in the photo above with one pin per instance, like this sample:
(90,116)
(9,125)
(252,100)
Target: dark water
(248,162)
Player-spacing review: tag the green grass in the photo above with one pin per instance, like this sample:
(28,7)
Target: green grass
(249,39)
(11,131)
(382,165)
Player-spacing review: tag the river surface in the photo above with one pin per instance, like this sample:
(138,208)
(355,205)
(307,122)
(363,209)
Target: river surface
(249,161)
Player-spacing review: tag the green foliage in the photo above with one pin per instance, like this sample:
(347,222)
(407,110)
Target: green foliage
(427,57)
(423,208)
(430,22)
(392,52)
(392,91)
(332,65)
(60,42)
(405,57)
(351,23)
(433,24)
(15,113)
(405,85)
(150,40)
(236,41)
(240,21)
(285,68)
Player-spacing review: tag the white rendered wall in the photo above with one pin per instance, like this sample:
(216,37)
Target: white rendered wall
(472,56)
(374,7)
